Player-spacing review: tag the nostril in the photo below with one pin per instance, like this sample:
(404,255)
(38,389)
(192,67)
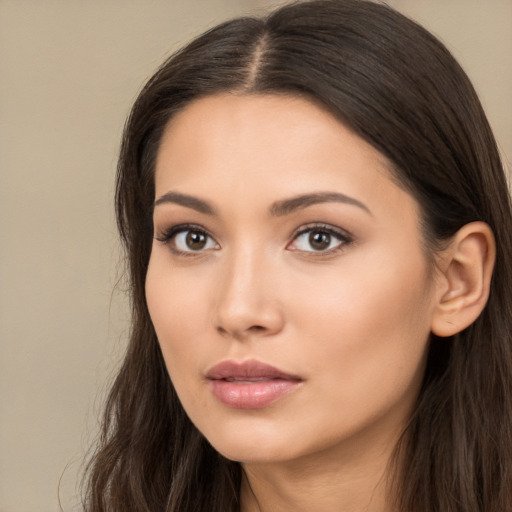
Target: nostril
(241,320)
(255,329)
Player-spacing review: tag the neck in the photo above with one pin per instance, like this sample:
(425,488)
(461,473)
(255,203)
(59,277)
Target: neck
(330,482)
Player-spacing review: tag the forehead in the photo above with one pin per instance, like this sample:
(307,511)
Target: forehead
(230,148)
(262,132)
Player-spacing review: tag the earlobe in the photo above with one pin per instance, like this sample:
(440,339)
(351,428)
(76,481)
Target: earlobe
(465,277)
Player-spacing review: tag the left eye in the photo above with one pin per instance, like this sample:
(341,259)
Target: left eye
(318,240)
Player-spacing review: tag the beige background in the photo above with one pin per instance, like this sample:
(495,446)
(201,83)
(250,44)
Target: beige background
(69,70)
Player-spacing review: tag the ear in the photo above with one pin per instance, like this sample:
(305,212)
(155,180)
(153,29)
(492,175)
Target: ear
(464,279)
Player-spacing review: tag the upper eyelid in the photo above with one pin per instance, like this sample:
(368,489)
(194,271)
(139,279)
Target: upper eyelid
(321,226)
(171,231)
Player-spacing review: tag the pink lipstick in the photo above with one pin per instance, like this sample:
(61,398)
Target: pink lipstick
(250,384)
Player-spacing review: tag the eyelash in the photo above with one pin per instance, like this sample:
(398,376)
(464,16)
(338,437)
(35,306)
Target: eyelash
(170,234)
(344,237)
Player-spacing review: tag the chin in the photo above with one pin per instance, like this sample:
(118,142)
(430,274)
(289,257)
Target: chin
(254,454)
(252,444)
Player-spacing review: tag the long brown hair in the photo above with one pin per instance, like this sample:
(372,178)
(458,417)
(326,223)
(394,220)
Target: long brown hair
(398,88)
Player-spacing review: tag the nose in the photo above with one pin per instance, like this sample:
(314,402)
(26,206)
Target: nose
(247,304)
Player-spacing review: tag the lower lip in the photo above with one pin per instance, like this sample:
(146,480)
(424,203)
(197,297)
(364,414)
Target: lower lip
(251,394)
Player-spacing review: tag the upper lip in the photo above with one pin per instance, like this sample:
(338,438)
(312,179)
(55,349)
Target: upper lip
(227,370)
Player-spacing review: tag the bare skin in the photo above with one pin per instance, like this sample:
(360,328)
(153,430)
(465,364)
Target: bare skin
(281,241)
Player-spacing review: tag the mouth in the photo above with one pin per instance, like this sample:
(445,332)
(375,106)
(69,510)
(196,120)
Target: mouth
(250,384)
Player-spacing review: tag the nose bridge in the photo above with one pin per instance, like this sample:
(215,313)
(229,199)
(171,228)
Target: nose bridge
(247,301)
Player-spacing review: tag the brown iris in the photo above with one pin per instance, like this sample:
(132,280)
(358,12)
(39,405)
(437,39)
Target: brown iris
(319,240)
(196,240)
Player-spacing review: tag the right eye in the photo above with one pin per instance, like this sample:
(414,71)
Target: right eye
(183,239)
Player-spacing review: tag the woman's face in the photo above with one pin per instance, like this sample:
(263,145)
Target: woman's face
(288,283)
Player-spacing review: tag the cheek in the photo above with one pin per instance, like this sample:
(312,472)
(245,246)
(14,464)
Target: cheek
(174,295)
(179,309)
(368,332)
(178,312)
(371,292)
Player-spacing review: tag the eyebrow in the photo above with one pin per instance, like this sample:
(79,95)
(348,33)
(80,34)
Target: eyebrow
(293,204)
(192,202)
(278,209)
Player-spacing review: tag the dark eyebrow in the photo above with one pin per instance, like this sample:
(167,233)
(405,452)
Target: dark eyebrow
(195,203)
(288,206)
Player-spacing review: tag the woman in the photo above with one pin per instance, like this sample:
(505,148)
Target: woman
(318,231)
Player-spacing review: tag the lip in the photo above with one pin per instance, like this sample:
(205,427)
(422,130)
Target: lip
(250,384)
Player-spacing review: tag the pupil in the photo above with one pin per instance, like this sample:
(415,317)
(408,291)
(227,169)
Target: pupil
(319,240)
(195,240)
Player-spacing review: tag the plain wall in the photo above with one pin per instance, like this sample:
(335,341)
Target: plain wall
(69,71)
